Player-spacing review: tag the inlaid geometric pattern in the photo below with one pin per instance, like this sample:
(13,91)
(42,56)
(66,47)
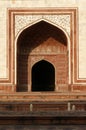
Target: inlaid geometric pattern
(22,21)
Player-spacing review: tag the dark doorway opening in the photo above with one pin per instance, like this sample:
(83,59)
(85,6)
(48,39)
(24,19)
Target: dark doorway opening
(43,76)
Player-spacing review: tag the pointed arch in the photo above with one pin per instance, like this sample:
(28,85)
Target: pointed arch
(30,38)
(47,21)
(43,76)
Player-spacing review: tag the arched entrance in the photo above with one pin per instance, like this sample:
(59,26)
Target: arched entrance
(43,76)
(42,41)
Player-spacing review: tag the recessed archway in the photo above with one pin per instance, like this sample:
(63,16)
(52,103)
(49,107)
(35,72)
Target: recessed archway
(43,76)
(41,39)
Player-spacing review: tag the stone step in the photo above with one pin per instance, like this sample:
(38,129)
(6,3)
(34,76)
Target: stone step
(43,96)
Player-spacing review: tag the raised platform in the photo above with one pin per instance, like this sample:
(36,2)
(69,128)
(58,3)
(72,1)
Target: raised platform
(56,111)
(43,108)
(42,101)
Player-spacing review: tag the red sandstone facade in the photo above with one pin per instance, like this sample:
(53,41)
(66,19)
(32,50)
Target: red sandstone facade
(60,49)
(54,46)
(43,81)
